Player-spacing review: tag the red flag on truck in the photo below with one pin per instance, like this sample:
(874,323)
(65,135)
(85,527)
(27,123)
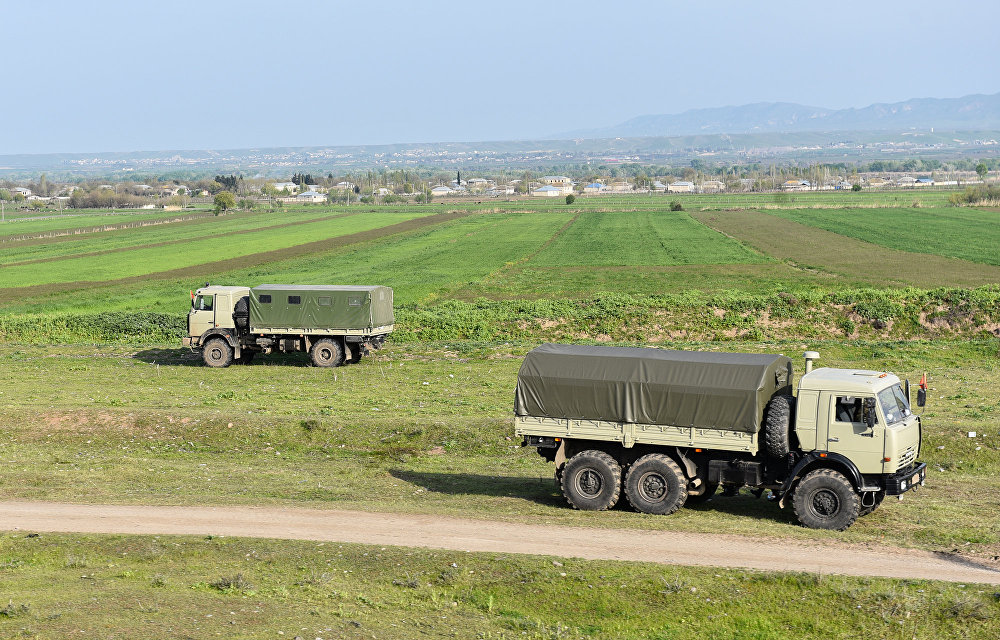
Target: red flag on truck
(923,381)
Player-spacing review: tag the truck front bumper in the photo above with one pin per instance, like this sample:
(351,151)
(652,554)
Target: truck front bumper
(906,479)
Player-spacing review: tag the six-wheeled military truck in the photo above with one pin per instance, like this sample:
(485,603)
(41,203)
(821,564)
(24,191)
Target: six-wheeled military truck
(334,324)
(668,427)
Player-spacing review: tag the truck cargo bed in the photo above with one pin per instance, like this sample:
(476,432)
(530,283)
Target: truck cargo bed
(725,392)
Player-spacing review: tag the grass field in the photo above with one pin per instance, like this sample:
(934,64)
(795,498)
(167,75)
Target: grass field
(101,405)
(183,587)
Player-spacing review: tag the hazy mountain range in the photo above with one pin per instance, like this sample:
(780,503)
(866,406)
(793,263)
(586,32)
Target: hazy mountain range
(968,112)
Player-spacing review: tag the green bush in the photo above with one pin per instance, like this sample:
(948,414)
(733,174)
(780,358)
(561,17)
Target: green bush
(570,199)
(676,206)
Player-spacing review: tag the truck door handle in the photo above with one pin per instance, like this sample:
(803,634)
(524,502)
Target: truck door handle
(834,440)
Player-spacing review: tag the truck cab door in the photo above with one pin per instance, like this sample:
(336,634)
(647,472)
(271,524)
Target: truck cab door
(201,318)
(850,435)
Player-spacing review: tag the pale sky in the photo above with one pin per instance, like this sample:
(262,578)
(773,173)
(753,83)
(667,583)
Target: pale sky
(128,76)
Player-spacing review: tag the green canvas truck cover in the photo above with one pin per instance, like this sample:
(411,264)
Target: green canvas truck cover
(320,307)
(651,386)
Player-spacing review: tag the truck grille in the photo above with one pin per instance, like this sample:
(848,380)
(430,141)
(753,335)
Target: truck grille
(906,458)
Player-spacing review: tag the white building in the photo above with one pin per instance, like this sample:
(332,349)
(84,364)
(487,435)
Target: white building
(442,190)
(548,191)
(681,186)
(594,187)
(310,196)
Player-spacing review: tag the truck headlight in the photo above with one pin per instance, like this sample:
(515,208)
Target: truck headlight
(902,485)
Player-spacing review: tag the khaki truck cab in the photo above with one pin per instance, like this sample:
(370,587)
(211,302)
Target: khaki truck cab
(335,324)
(666,428)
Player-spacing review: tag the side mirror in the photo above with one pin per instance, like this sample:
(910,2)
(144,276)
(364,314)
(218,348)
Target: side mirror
(921,397)
(870,412)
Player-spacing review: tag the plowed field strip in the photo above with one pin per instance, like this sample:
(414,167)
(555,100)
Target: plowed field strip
(181,241)
(242,262)
(811,247)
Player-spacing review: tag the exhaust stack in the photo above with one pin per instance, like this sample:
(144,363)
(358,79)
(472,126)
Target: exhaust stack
(810,356)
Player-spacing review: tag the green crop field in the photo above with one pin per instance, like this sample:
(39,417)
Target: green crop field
(971,234)
(100,404)
(662,238)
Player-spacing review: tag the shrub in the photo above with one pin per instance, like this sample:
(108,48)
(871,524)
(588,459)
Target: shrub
(676,206)
(570,199)
(856,187)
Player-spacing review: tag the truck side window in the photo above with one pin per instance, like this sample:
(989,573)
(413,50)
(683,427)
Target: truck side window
(849,409)
(354,301)
(265,299)
(294,299)
(204,303)
(324,301)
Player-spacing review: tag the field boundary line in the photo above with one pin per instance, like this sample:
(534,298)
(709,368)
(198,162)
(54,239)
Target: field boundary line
(205,269)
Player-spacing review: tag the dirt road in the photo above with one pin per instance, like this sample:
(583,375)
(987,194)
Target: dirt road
(480,535)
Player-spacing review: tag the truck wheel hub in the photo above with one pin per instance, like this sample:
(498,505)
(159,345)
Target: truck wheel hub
(652,486)
(825,503)
(589,482)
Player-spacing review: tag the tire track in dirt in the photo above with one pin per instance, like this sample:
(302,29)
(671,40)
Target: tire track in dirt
(166,243)
(464,534)
(207,269)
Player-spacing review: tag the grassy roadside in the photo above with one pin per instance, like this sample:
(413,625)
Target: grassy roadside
(425,429)
(188,587)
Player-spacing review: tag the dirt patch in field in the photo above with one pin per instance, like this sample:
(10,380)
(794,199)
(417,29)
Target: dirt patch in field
(812,247)
(83,422)
(210,269)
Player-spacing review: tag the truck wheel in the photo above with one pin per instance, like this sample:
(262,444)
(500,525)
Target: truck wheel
(777,426)
(708,490)
(327,353)
(863,510)
(592,481)
(825,499)
(655,484)
(353,352)
(217,353)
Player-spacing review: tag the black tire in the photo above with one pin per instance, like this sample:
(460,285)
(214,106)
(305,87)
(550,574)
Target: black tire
(655,484)
(241,314)
(707,490)
(777,426)
(327,353)
(592,481)
(863,510)
(353,352)
(217,353)
(825,499)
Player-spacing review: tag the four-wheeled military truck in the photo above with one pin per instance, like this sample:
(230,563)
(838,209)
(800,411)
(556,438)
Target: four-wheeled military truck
(335,324)
(668,427)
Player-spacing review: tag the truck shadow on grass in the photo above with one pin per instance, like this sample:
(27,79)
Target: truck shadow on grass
(543,491)
(745,505)
(536,489)
(185,358)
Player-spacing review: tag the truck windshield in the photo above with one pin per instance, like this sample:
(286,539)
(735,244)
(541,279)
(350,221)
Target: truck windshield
(894,404)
